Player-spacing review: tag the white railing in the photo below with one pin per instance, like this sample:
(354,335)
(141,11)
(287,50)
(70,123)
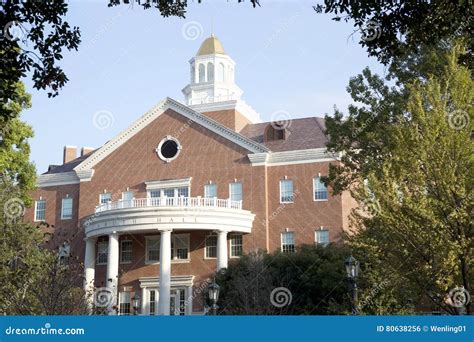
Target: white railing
(194,202)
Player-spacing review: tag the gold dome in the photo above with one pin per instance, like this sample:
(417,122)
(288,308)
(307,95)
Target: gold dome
(211,46)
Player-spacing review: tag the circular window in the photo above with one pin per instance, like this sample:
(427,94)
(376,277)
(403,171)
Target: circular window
(168,149)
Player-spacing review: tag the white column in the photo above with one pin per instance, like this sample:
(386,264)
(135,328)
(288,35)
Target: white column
(165,273)
(221,249)
(112,269)
(89,272)
(145,300)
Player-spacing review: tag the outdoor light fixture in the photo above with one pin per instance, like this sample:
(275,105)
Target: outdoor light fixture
(352,270)
(136,300)
(352,267)
(213,291)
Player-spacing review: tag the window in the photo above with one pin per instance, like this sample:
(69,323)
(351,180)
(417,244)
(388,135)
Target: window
(211,247)
(126,251)
(40,210)
(220,73)
(168,149)
(184,192)
(235,191)
(179,248)
(202,73)
(169,192)
(127,195)
(153,249)
(286,191)
(322,237)
(210,190)
(102,251)
(124,303)
(320,190)
(105,198)
(275,131)
(235,245)
(288,242)
(210,72)
(66,209)
(152,302)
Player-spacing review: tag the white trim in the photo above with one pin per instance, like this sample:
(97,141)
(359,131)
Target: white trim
(171,183)
(147,238)
(62,208)
(97,256)
(313,155)
(314,191)
(55,179)
(281,241)
(155,112)
(176,281)
(121,249)
(205,247)
(173,260)
(160,145)
(292,190)
(230,245)
(36,208)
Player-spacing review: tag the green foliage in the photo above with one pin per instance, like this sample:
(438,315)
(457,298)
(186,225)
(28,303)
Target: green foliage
(166,8)
(15,166)
(314,275)
(409,165)
(393,28)
(42,34)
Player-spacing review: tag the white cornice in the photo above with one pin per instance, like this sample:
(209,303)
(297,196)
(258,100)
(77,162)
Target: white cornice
(152,114)
(314,155)
(55,179)
(239,105)
(171,183)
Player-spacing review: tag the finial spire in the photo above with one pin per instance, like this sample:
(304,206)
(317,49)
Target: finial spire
(212,26)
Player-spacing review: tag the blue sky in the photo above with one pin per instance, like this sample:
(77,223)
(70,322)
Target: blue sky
(288,58)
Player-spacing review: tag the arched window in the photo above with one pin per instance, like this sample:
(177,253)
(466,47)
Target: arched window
(274,131)
(193,74)
(220,72)
(202,73)
(210,72)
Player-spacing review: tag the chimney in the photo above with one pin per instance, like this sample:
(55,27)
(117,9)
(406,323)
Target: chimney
(86,150)
(69,153)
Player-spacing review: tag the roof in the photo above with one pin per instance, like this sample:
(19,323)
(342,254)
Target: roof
(211,46)
(302,134)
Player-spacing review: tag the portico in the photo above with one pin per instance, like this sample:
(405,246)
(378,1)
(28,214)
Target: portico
(165,216)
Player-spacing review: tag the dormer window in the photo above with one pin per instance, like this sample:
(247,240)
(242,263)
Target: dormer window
(275,131)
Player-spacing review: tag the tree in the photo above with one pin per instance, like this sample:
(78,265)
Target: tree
(35,34)
(390,29)
(310,281)
(166,7)
(15,166)
(416,229)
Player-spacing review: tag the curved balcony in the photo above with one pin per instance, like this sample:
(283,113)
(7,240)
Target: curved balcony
(143,215)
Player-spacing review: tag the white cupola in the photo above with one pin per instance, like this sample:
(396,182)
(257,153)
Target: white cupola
(212,80)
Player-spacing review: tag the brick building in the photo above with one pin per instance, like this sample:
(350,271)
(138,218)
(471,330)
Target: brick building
(187,188)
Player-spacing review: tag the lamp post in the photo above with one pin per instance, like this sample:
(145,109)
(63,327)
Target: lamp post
(213,291)
(136,303)
(352,270)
